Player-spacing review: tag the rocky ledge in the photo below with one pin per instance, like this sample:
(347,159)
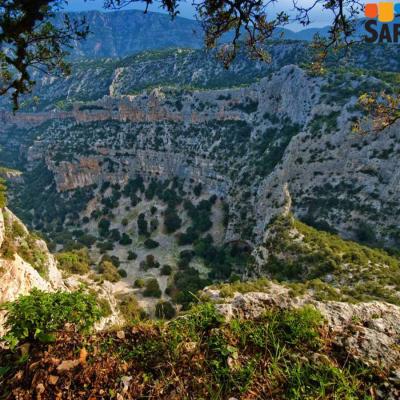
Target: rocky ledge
(368,332)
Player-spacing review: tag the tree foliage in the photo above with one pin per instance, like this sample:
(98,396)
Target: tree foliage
(152,288)
(384,109)
(40,314)
(30,41)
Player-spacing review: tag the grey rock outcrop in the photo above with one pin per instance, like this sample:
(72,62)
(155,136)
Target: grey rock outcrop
(369,332)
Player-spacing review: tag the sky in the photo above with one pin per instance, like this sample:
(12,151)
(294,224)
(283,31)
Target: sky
(187,10)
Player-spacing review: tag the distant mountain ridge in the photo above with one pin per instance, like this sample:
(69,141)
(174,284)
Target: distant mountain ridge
(122,33)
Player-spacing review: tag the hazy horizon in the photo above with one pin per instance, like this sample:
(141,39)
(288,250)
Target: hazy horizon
(186,10)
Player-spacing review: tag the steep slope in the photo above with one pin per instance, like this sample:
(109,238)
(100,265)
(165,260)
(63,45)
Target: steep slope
(25,262)
(333,268)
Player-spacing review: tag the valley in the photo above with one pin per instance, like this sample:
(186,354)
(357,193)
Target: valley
(156,173)
(153,183)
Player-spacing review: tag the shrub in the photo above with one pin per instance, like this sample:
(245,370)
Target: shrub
(104,226)
(17,229)
(187,283)
(197,189)
(299,327)
(213,199)
(122,273)
(229,289)
(150,262)
(105,246)
(72,245)
(239,358)
(74,262)
(151,244)
(129,307)
(132,255)
(104,306)
(125,240)
(154,224)
(152,288)
(365,233)
(188,254)
(185,257)
(188,237)
(8,249)
(114,235)
(87,240)
(200,215)
(40,314)
(153,210)
(108,271)
(225,209)
(3,193)
(34,254)
(165,310)
(172,222)
(166,269)
(204,248)
(95,214)
(142,225)
(135,200)
(113,259)
(139,283)
(183,263)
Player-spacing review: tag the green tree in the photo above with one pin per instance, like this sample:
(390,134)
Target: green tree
(166,269)
(151,244)
(125,240)
(132,255)
(172,222)
(152,288)
(142,225)
(104,226)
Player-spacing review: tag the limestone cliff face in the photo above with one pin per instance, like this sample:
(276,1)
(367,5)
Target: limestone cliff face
(330,174)
(153,106)
(289,130)
(17,276)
